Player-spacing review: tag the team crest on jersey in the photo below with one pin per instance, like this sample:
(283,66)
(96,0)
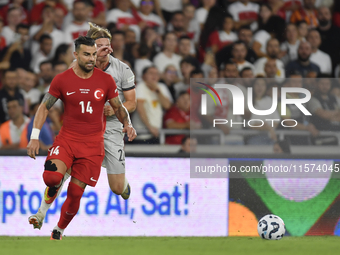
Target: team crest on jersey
(98,94)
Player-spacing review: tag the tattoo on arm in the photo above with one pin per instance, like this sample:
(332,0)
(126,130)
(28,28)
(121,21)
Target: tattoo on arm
(49,100)
(121,112)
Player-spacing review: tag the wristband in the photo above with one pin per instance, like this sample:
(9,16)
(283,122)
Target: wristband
(35,133)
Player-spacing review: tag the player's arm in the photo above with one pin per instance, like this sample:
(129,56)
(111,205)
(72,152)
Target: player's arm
(123,116)
(130,103)
(39,120)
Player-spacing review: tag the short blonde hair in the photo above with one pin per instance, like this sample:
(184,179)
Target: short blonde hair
(95,32)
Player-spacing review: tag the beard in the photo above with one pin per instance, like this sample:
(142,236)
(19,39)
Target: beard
(303,59)
(86,70)
(324,23)
(178,29)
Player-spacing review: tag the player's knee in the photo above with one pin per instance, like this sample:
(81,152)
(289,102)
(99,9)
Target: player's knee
(52,179)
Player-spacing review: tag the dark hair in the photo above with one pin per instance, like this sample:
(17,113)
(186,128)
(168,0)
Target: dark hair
(44,62)
(83,40)
(143,50)
(259,19)
(61,49)
(239,42)
(277,26)
(184,37)
(246,27)
(196,71)
(146,69)
(182,93)
(167,33)
(118,32)
(175,13)
(47,7)
(245,69)
(43,37)
(22,25)
(54,64)
(20,102)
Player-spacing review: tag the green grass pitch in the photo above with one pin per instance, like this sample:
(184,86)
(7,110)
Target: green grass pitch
(169,245)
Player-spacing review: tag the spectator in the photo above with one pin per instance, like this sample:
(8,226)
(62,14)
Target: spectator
(244,12)
(64,54)
(13,133)
(245,35)
(118,45)
(330,35)
(178,117)
(46,76)
(239,54)
(36,12)
(46,137)
(168,56)
(270,68)
(124,20)
(152,40)
(224,36)
(324,107)
(278,8)
(17,4)
(152,98)
(307,13)
(303,65)
(59,67)
(59,16)
(170,7)
(43,53)
(151,19)
(47,27)
(191,23)
(302,30)
(263,102)
(201,13)
(187,66)
(143,61)
(188,145)
(289,48)
(274,29)
(170,78)
(281,147)
(185,48)
(14,18)
(30,92)
(273,52)
(319,57)
(8,92)
(79,25)
(17,54)
(293,112)
(130,37)
(247,73)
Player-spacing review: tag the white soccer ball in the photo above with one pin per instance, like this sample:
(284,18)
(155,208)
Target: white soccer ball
(271,227)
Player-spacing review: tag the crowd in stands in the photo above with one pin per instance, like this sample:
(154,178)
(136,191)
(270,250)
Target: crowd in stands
(167,43)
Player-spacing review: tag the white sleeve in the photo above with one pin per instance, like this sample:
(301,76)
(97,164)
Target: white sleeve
(140,91)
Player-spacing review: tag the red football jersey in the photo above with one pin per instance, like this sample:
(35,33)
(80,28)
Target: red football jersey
(84,101)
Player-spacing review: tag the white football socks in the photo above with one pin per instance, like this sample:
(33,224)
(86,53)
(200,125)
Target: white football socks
(44,206)
(59,229)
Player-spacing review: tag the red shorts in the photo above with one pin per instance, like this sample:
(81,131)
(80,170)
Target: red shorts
(85,158)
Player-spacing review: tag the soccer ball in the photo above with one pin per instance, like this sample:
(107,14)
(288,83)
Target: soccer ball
(271,227)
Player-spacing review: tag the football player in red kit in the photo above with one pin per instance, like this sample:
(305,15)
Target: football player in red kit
(79,144)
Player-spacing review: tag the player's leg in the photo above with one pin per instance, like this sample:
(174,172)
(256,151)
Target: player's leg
(50,194)
(85,171)
(70,207)
(114,161)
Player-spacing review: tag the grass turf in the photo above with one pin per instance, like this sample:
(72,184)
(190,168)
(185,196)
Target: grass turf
(310,245)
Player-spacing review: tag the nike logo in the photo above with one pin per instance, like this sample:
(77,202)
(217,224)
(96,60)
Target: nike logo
(70,93)
(93,179)
(70,213)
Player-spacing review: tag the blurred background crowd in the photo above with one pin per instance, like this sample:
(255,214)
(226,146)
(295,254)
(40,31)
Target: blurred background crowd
(168,42)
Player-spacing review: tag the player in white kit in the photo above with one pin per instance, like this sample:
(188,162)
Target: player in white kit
(114,159)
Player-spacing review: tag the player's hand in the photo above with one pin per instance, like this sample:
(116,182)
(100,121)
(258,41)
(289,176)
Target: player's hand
(131,132)
(108,110)
(33,148)
(104,51)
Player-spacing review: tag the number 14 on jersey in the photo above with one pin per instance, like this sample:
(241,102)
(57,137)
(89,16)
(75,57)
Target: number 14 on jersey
(88,107)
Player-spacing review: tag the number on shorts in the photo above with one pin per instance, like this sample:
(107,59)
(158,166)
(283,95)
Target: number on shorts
(121,154)
(54,151)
